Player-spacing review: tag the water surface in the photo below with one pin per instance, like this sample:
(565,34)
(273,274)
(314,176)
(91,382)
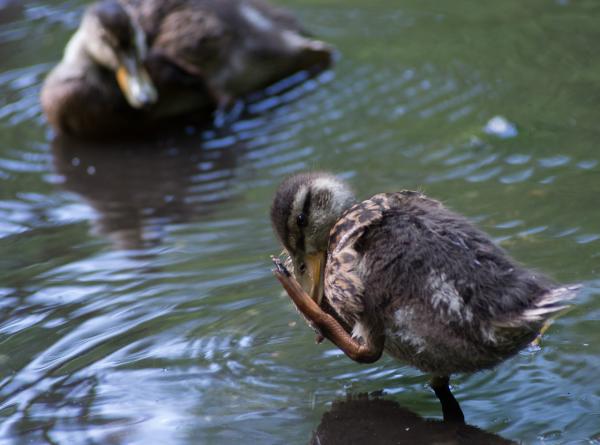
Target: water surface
(136,300)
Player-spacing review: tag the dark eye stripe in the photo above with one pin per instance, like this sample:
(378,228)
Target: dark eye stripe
(306,211)
(306,206)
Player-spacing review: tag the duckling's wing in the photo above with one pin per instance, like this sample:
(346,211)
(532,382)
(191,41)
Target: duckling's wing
(344,286)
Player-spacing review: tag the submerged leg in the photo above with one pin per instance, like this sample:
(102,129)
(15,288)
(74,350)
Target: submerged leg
(328,326)
(450,407)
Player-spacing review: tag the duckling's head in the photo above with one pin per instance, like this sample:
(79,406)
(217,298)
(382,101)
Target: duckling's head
(114,40)
(305,209)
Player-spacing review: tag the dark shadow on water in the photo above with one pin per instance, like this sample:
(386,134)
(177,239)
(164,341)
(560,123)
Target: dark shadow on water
(136,188)
(361,419)
(10,10)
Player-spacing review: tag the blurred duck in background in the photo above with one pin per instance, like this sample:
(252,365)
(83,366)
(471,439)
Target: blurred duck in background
(135,62)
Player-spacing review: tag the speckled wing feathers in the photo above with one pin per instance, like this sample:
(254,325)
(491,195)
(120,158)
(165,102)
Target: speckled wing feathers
(344,286)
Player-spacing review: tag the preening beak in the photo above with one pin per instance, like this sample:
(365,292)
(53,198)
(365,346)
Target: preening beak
(135,82)
(315,265)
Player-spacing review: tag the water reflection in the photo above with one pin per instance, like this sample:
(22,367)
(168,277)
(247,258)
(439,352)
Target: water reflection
(136,188)
(362,419)
(10,10)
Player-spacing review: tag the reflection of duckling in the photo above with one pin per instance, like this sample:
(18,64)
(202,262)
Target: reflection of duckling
(401,272)
(136,189)
(131,62)
(10,10)
(376,421)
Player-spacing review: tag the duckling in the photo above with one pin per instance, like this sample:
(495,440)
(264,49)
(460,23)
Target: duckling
(133,62)
(401,273)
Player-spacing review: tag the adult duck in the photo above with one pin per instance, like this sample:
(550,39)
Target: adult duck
(400,272)
(134,62)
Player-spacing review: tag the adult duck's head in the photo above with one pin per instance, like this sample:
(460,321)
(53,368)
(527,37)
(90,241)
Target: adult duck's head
(305,209)
(114,40)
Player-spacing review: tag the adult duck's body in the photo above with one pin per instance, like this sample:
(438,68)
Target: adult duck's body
(133,62)
(399,272)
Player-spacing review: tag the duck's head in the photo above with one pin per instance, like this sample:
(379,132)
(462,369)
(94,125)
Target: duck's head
(305,209)
(114,40)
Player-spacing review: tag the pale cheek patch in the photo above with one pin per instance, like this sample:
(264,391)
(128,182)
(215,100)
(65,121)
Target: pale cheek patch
(74,48)
(342,193)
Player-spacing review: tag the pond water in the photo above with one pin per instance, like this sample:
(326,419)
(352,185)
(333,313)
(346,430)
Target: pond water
(136,299)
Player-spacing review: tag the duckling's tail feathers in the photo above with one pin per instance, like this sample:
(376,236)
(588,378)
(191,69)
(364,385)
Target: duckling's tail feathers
(545,308)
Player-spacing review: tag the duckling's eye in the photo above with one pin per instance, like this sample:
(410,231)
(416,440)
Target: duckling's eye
(302,268)
(302,220)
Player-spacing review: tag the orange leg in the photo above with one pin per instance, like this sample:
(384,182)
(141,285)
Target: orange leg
(328,326)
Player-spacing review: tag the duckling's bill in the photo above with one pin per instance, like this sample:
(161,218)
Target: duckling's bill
(312,279)
(135,82)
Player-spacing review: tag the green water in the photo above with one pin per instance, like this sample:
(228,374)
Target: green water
(136,299)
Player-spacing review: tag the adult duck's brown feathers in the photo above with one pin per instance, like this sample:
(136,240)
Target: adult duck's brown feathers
(134,62)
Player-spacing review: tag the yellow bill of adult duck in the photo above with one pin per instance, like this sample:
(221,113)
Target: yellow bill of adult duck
(135,62)
(401,273)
